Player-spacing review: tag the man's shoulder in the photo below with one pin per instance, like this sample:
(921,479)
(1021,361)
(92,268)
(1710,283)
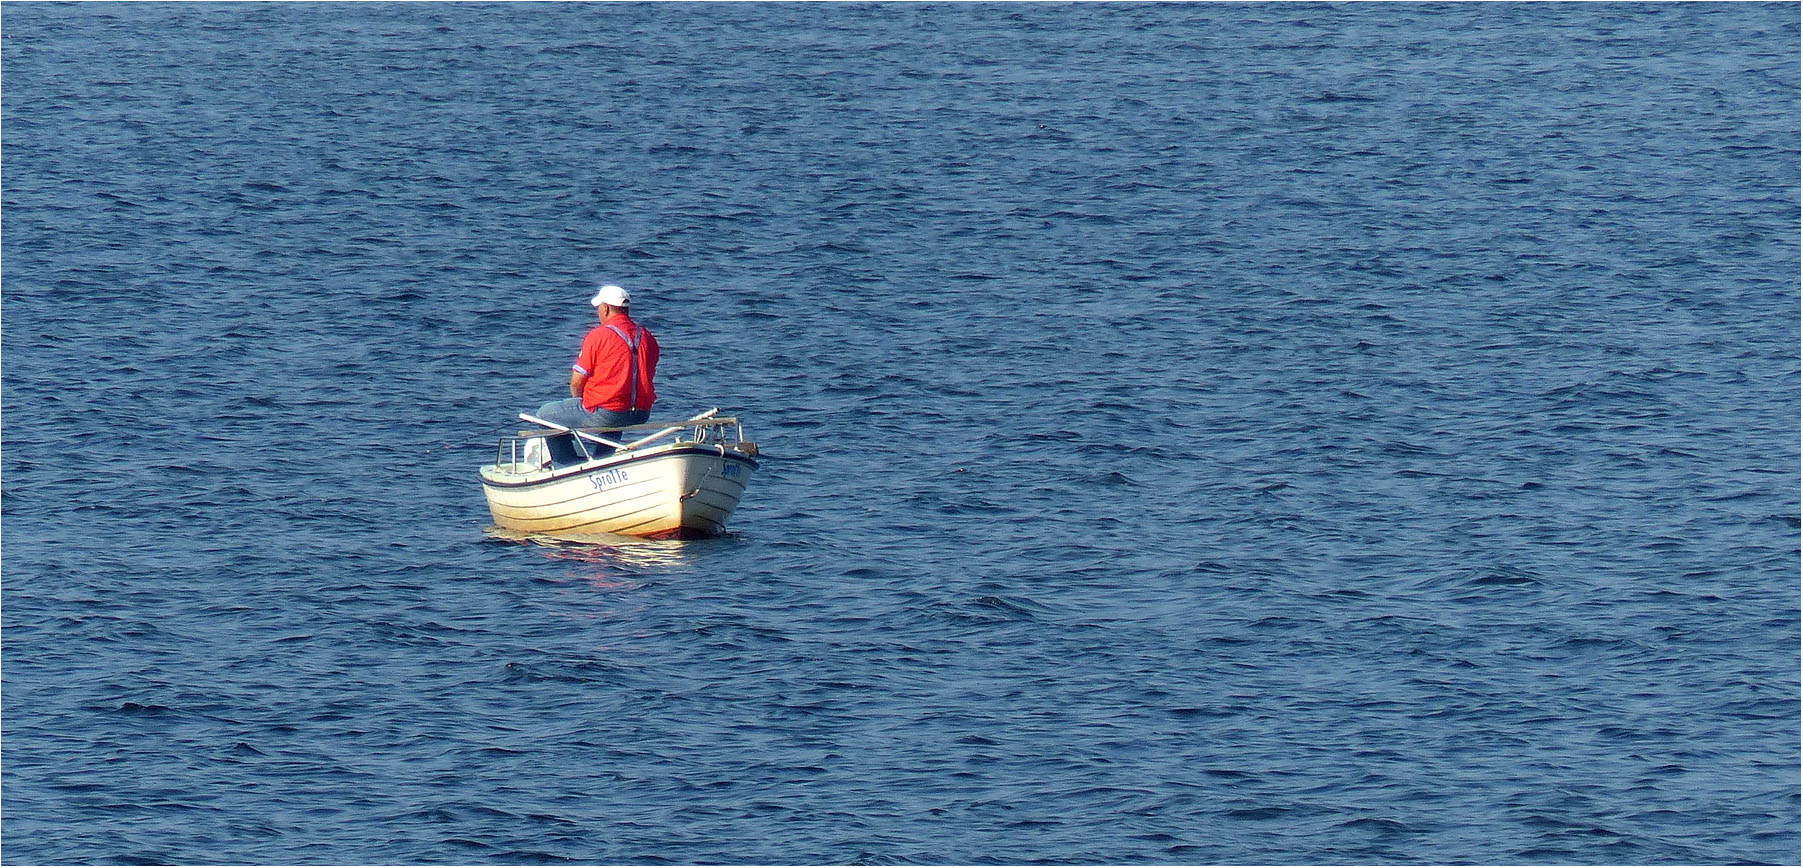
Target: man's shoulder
(625,325)
(599,335)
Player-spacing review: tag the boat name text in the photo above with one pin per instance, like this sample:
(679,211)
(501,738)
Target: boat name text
(608,478)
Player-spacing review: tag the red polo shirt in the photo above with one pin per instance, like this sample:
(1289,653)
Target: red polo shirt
(609,363)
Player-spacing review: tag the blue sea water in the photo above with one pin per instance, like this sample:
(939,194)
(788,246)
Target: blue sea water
(1193,433)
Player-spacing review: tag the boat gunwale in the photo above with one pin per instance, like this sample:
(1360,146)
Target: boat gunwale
(612,461)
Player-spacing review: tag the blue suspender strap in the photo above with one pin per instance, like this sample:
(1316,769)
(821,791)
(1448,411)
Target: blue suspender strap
(632,352)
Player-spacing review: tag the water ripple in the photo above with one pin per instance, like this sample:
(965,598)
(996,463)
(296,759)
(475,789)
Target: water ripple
(1192,433)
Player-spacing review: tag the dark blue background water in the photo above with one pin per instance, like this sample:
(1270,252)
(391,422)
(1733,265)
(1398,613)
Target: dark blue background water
(1195,433)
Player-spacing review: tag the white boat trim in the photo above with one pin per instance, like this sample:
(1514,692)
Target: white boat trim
(611,461)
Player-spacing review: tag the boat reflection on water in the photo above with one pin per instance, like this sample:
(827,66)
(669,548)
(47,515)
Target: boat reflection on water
(601,549)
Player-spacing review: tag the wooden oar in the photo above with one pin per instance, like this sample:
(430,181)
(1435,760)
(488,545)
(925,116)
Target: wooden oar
(579,433)
(672,429)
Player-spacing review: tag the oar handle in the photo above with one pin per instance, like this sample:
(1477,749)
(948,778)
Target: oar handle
(672,429)
(528,417)
(678,426)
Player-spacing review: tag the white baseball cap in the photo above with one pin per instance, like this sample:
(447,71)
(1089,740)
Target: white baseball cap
(612,296)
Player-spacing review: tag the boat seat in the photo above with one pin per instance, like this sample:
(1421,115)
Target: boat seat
(566,453)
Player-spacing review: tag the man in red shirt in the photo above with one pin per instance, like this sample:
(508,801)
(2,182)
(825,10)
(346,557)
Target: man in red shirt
(611,381)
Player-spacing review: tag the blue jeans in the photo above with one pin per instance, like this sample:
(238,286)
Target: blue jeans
(569,413)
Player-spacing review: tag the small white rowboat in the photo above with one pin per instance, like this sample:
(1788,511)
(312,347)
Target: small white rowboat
(681,480)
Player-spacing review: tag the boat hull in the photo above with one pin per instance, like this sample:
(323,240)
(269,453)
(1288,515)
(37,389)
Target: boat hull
(670,492)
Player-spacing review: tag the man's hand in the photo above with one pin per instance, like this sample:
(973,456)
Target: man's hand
(577,378)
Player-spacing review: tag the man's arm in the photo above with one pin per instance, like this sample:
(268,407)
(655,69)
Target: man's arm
(577,378)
